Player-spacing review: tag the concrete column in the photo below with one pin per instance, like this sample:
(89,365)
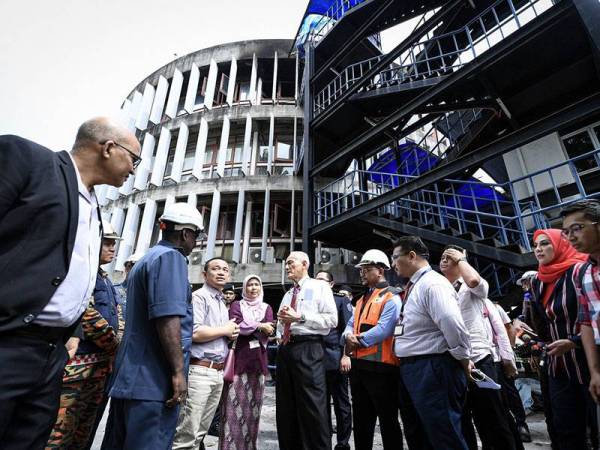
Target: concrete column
(192,200)
(169,201)
(159,100)
(127,187)
(174,94)
(265,230)
(182,141)
(231,84)
(146,227)
(162,153)
(294,145)
(200,149)
(254,152)
(192,89)
(213,224)
(211,84)
(271,139)
(237,234)
(117,219)
(125,112)
(141,173)
(259,91)
(296,78)
(247,150)
(101,194)
(274,94)
(141,122)
(223,147)
(247,226)
(128,235)
(112,193)
(136,103)
(253,75)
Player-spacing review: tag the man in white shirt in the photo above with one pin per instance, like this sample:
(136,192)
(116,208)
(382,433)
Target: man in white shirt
(432,343)
(306,315)
(484,405)
(49,250)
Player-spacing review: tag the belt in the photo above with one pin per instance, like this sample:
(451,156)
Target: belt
(207,363)
(47,334)
(295,339)
(412,359)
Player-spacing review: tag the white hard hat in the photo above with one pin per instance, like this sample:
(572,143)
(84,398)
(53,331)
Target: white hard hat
(526,276)
(184,215)
(109,232)
(373,257)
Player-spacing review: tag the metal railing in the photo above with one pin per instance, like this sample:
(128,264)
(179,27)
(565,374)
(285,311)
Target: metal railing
(441,55)
(508,212)
(333,14)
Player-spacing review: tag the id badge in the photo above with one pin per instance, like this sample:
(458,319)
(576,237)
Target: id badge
(399,330)
(254,344)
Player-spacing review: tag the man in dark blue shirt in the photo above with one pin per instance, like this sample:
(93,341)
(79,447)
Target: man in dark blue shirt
(149,380)
(337,382)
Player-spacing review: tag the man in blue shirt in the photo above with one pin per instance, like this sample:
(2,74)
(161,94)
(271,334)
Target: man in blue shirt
(337,382)
(149,380)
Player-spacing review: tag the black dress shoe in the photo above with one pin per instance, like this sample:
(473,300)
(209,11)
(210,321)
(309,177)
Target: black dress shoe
(524,432)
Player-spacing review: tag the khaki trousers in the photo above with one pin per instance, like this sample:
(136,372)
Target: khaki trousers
(204,393)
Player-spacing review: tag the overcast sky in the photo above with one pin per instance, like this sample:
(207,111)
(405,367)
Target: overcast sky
(64,61)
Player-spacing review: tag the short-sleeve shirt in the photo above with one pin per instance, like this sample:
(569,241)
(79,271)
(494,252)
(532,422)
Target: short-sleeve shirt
(158,287)
(586,278)
(472,308)
(210,310)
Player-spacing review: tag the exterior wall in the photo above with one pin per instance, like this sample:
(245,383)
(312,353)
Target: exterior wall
(220,129)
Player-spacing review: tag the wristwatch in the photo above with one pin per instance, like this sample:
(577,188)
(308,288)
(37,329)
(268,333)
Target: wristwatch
(302,319)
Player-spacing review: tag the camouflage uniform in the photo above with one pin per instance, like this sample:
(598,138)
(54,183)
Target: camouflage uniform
(84,379)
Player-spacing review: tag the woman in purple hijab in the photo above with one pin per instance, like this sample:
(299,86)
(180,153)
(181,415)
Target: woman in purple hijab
(242,399)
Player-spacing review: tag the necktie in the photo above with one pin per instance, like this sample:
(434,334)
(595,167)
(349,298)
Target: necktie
(287,327)
(457,286)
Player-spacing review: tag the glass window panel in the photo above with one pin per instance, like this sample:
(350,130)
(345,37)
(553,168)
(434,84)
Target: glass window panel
(238,153)
(597,131)
(263,153)
(284,151)
(577,145)
(208,156)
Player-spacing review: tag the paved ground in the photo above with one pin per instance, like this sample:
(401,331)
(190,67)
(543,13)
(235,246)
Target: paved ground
(268,435)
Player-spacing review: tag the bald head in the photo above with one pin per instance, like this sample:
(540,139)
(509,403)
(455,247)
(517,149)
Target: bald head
(100,129)
(105,152)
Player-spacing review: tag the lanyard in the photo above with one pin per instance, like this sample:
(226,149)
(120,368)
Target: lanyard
(408,292)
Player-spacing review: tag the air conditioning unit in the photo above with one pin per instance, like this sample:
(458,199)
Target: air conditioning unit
(351,257)
(329,256)
(197,257)
(255,255)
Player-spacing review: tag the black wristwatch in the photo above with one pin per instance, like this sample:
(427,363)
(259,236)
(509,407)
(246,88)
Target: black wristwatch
(302,319)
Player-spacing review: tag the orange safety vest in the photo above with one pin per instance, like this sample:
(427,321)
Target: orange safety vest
(369,316)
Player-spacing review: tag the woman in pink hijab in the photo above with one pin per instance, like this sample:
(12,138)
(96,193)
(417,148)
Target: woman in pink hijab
(242,399)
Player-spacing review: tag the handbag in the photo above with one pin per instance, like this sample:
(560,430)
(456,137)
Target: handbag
(229,369)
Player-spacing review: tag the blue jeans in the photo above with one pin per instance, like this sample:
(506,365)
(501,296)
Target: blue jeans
(435,386)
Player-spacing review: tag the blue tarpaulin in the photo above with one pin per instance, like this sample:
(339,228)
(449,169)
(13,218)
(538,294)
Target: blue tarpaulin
(412,160)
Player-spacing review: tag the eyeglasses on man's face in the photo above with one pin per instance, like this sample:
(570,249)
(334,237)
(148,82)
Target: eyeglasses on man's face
(576,228)
(135,159)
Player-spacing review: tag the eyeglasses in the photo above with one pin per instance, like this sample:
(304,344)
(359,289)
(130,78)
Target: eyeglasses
(395,256)
(575,229)
(136,160)
(366,268)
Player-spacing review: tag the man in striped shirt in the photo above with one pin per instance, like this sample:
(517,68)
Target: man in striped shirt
(581,222)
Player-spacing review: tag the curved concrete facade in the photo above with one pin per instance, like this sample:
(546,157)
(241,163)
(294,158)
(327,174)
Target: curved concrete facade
(220,128)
